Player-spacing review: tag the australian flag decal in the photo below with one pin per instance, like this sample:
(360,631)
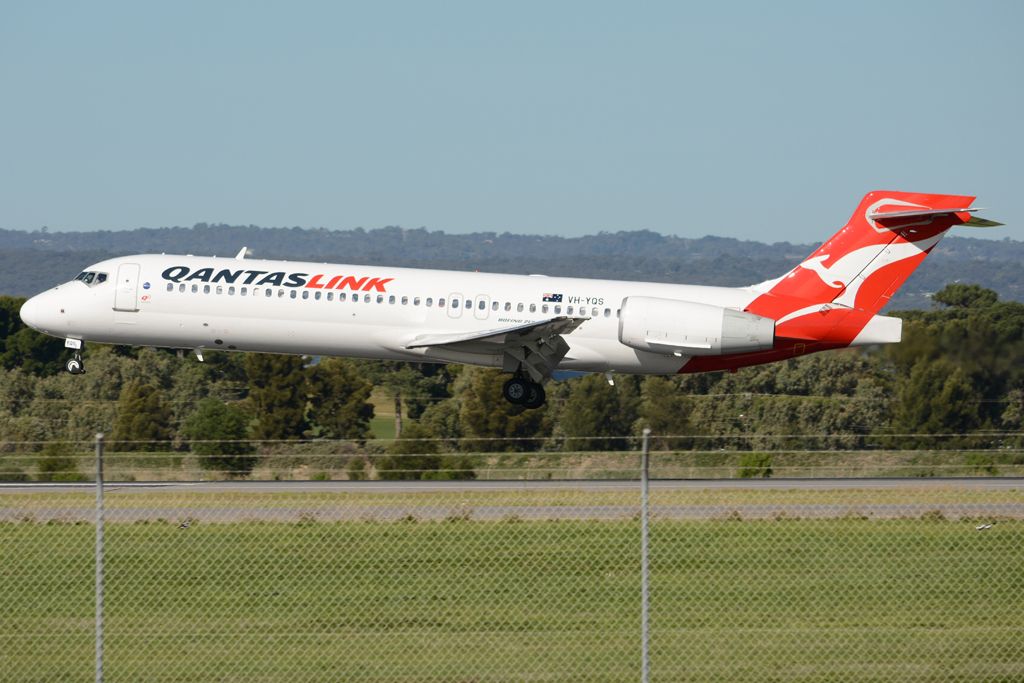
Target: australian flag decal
(554,298)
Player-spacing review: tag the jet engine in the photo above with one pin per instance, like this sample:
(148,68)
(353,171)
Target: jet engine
(687,328)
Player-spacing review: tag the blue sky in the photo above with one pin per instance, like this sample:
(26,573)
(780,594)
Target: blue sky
(754,120)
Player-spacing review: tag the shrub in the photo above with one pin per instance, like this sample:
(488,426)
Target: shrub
(57,463)
(12,474)
(356,469)
(214,420)
(755,465)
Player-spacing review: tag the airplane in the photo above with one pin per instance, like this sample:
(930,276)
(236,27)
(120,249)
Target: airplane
(528,325)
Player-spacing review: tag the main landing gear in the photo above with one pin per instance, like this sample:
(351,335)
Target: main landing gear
(523,392)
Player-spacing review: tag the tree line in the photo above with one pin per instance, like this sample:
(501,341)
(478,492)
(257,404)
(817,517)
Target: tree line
(957,372)
(33,261)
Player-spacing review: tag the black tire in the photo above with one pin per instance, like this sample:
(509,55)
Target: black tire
(74,366)
(516,390)
(535,396)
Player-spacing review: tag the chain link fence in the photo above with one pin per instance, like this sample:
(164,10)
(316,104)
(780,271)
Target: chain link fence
(750,579)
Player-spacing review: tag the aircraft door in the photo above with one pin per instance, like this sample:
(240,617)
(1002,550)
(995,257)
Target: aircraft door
(481,307)
(455,304)
(126,292)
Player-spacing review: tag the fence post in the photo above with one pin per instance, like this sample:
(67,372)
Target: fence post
(645,658)
(99,558)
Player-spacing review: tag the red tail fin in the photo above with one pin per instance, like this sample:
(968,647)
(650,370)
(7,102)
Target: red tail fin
(859,269)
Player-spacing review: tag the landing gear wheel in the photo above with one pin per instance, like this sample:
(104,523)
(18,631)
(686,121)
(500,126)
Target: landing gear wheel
(516,390)
(535,396)
(75,365)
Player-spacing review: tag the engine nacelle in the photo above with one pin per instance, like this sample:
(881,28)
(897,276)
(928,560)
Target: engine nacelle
(686,328)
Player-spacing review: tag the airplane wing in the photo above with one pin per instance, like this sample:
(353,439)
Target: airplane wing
(531,331)
(536,346)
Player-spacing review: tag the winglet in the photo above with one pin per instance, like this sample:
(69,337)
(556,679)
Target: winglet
(241,254)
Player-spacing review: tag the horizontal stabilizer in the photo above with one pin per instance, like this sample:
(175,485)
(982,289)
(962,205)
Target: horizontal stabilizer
(886,215)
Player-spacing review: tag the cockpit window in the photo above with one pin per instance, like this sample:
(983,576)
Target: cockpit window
(92,278)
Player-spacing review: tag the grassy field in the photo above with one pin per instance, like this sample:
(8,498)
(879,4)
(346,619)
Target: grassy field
(473,601)
(329,461)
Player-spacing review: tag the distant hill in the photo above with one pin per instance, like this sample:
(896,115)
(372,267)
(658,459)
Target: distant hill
(33,261)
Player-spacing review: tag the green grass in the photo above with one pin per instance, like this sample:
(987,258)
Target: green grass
(468,601)
(299,461)
(383,426)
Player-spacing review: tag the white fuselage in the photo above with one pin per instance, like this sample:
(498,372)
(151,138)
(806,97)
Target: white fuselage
(358,311)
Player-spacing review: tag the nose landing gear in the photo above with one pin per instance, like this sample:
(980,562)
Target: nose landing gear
(75,365)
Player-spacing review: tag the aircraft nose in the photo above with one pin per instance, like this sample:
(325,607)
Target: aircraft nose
(43,312)
(31,313)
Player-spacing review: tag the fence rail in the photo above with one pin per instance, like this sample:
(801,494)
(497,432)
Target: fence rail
(478,580)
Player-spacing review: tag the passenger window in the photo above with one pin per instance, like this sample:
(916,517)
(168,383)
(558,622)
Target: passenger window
(206,289)
(366,298)
(440,302)
(618,312)
(391,299)
(170,286)
(245,291)
(293,294)
(544,308)
(594,312)
(533,308)
(519,308)
(494,306)
(607,312)
(568,310)
(195,288)
(455,303)
(317,295)
(558,309)
(482,306)
(268,292)
(220,290)
(342,296)
(181,287)
(330,296)
(380,298)
(508,305)
(416,301)
(305,294)
(405,301)
(231,291)
(280,293)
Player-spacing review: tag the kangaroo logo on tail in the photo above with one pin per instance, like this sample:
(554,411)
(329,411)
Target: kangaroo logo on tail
(815,265)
